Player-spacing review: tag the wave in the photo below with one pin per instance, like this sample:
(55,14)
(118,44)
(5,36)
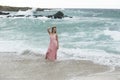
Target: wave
(30,53)
(97,56)
(113,34)
(28,12)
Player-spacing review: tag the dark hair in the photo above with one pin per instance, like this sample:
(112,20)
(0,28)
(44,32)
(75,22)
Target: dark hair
(53,28)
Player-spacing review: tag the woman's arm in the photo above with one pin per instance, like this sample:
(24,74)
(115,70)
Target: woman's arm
(48,30)
(57,41)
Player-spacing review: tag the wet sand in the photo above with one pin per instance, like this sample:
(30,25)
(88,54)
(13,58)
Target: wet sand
(35,67)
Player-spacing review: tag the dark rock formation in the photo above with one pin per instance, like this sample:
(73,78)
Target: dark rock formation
(50,16)
(9,8)
(3,13)
(67,16)
(59,15)
(19,16)
(35,16)
(38,16)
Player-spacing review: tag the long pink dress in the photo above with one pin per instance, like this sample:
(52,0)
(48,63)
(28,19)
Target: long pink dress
(52,49)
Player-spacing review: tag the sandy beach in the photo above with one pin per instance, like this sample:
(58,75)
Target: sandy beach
(35,67)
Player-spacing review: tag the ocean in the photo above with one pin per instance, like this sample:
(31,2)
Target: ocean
(91,34)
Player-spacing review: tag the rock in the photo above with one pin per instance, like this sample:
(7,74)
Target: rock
(19,16)
(11,8)
(3,13)
(59,15)
(9,16)
(67,16)
(50,16)
(38,16)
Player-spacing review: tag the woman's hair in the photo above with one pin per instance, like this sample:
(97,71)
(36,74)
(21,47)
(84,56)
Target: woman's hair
(53,29)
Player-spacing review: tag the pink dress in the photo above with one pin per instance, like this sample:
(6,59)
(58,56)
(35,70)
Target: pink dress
(52,49)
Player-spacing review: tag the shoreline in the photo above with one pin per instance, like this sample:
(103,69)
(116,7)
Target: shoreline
(12,8)
(27,67)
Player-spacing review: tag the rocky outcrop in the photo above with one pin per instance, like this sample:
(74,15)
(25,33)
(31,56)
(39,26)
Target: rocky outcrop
(58,15)
(9,8)
(3,13)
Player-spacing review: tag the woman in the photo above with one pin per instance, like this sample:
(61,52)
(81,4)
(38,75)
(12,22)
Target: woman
(53,46)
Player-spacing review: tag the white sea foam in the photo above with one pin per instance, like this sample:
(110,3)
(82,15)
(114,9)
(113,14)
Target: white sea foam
(115,35)
(97,56)
(43,18)
(64,34)
(2,16)
(18,47)
(27,12)
(5,46)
